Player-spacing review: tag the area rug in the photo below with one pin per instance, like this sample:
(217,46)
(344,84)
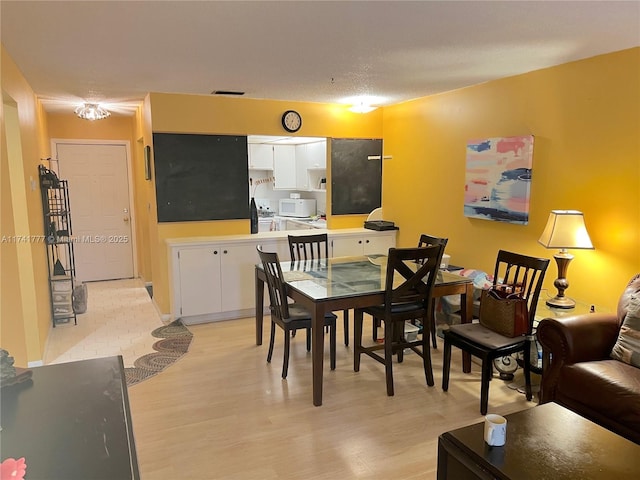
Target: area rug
(174,343)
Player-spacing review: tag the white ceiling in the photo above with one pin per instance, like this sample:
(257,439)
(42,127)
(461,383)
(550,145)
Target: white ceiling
(114,52)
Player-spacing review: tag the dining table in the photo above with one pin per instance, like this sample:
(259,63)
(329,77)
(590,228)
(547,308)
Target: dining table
(342,283)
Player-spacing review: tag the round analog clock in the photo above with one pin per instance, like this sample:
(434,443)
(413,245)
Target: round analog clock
(291,121)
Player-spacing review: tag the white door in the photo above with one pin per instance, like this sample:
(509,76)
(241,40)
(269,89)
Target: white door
(99,205)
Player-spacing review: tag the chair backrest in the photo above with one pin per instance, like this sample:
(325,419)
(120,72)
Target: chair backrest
(411,275)
(275,283)
(523,275)
(428,240)
(308,247)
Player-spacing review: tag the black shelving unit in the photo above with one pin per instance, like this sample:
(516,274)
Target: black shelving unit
(59,244)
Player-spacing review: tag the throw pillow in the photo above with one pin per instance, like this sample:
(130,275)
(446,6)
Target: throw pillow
(627,347)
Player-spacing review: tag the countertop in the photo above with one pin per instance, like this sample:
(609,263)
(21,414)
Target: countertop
(269,236)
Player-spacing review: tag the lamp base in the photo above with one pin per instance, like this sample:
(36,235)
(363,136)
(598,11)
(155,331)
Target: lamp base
(561,302)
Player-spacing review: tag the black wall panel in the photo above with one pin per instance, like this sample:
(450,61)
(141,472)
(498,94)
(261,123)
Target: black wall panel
(201,177)
(356,181)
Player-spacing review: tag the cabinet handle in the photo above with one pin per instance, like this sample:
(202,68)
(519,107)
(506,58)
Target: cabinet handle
(366,241)
(215,252)
(225,252)
(360,241)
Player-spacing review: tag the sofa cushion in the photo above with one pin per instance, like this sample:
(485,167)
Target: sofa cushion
(609,387)
(627,347)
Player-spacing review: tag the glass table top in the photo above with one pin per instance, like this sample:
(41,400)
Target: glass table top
(345,276)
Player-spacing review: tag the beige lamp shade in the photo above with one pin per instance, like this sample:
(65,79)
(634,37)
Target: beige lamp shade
(565,229)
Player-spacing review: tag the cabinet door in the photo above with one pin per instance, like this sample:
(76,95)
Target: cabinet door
(284,166)
(316,154)
(378,244)
(199,280)
(238,274)
(302,172)
(346,246)
(260,156)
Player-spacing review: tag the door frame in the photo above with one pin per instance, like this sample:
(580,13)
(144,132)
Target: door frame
(132,214)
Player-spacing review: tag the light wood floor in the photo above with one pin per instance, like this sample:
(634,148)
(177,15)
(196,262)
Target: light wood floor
(222,412)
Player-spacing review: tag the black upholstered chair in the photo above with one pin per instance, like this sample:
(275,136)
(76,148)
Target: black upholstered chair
(315,247)
(518,273)
(410,277)
(290,316)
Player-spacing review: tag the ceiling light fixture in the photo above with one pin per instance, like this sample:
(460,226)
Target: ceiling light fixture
(361,108)
(92,111)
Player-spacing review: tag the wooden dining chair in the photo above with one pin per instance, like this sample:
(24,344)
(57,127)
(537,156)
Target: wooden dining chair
(315,247)
(425,241)
(410,277)
(515,272)
(290,316)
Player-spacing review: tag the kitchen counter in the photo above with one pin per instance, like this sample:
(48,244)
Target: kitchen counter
(239,238)
(210,277)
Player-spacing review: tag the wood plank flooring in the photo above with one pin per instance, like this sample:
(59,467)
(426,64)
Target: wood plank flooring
(222,412)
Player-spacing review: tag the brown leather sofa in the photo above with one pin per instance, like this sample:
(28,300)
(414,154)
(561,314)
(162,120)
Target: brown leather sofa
(580,374)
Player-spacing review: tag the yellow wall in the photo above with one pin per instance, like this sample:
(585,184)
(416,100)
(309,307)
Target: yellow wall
(25,316)
(585,117)
(70,126)
(239,116)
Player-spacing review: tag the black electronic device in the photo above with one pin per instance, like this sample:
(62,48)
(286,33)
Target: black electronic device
(380,225)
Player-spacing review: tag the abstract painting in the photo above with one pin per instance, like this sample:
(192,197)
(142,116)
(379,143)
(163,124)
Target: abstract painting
(498,179)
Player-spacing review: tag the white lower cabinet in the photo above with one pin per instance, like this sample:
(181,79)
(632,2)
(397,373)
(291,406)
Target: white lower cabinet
(367,244)
(216,280)
(199,281)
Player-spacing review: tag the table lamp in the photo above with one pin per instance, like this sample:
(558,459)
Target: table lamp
(565,229)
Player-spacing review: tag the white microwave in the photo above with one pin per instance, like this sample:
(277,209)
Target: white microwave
(297,207)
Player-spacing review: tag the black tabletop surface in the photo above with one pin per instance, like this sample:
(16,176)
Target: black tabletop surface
(70,421)
(551,442)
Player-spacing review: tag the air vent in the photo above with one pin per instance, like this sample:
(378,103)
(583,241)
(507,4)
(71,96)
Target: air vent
(226,92)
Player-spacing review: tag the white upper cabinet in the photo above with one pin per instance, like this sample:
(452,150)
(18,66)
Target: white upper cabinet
(316,154)
(296,166)
(284,167)
(260,156)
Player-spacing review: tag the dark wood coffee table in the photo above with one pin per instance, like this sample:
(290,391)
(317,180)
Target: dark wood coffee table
(544,442)
(71,421)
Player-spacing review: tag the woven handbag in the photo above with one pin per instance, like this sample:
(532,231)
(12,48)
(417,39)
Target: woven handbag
(504,313)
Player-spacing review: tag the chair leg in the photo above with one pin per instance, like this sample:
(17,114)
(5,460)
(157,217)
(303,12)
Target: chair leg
(527,369)
(376,324)
(308,339)
(426,358)
(398,336)
(332,346)
(446,364)
(432,325)
(487,370)
(345,315)
(357,338)
(388,356)
(271,341)
(287,346)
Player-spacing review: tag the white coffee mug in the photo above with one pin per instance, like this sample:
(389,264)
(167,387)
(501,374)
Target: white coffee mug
(495,430)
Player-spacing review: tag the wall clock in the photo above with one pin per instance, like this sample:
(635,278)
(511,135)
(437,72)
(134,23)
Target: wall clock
(291,121)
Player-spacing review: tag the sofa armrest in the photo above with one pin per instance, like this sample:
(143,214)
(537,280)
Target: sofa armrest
(574,339)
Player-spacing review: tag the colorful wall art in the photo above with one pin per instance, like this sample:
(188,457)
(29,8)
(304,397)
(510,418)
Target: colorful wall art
(498,179)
